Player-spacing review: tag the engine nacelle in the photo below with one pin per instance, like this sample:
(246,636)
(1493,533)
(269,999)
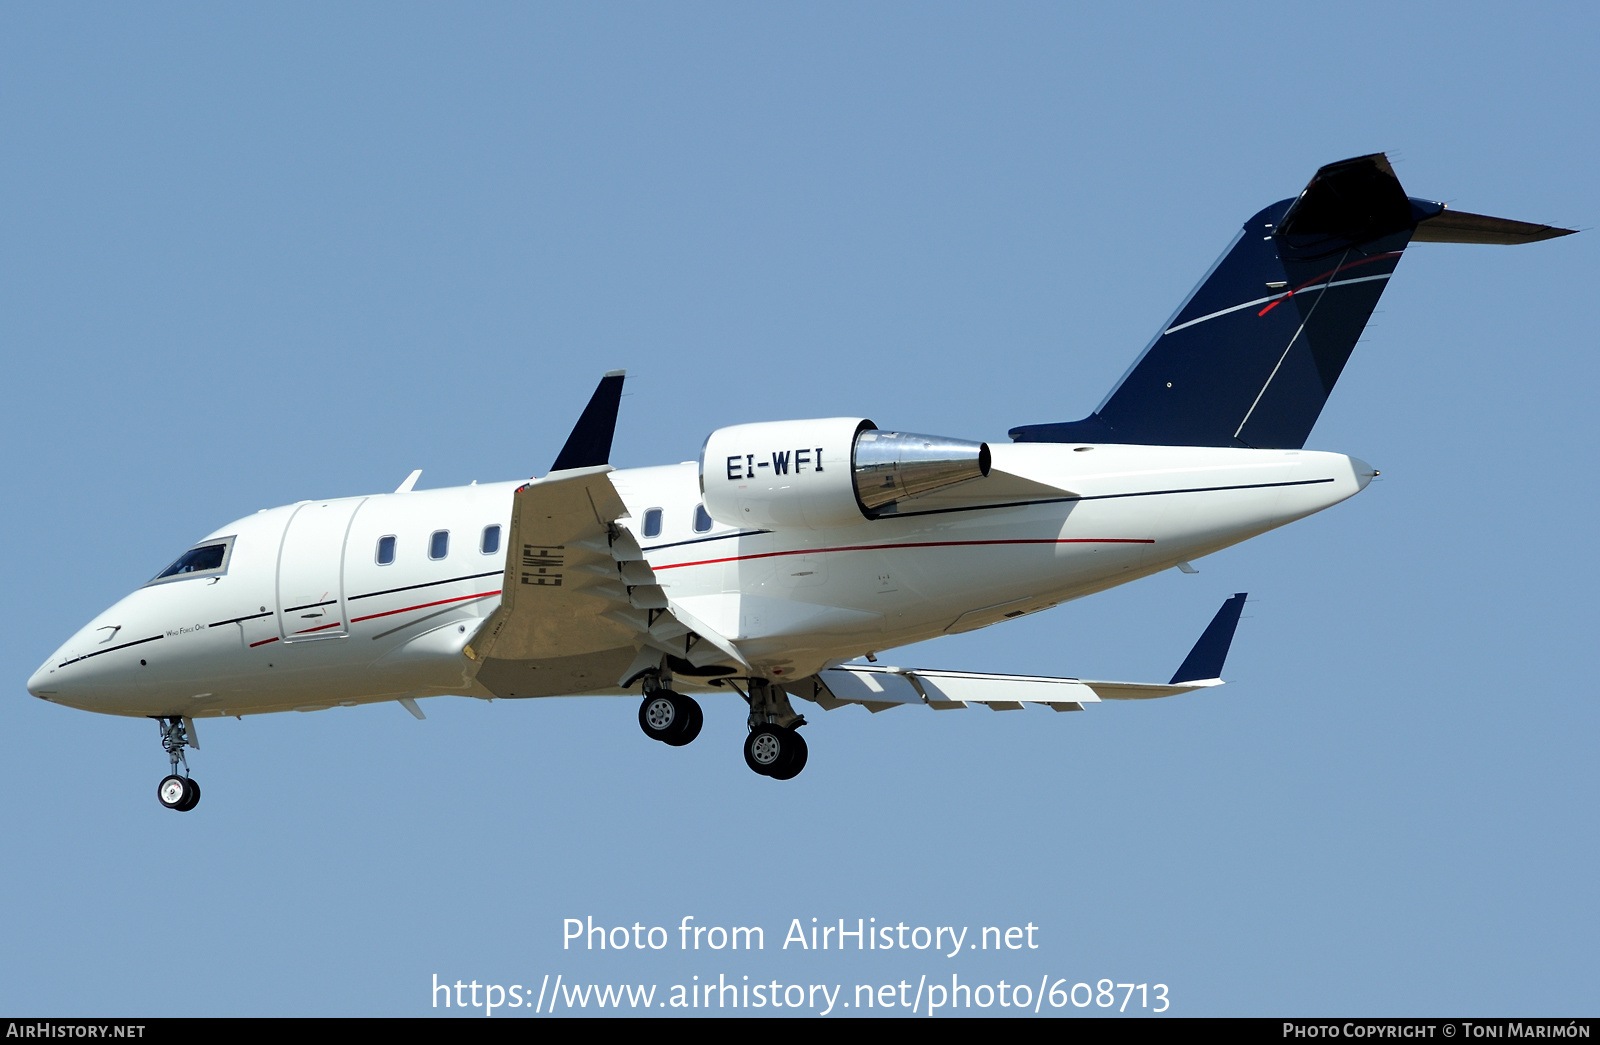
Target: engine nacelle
(836,471)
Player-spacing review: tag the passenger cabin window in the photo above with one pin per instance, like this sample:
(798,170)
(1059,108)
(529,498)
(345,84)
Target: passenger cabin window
(385,550)
(207,560)
(439,544)
(702,519)
(652,523)
(491,540)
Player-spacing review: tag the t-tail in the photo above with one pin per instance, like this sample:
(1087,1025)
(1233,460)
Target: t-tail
(1251,356)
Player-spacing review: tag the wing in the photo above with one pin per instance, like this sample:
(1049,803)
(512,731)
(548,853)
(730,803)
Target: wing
(879,688)
(580,611)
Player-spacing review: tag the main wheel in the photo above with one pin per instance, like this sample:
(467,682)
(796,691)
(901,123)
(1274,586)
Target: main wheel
(659,716)
(670,717)
(692,717)
(194,795)
(794,757)
(775,752)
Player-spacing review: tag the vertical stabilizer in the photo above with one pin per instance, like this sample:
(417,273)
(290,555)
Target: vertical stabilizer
(1251,357)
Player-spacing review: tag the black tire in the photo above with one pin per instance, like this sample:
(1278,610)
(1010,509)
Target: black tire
(194,795)
(693,719)
(794,757)
(661,715)
(172,792)
(768,749)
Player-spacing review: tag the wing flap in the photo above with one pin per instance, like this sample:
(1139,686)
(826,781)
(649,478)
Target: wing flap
(879,688)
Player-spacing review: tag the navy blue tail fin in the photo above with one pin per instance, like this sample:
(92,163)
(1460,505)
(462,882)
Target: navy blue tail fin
(1251,356)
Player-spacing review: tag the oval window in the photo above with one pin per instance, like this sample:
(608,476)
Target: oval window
(385,550)
(702,519)
(652,523)
(491,540)
(439,544)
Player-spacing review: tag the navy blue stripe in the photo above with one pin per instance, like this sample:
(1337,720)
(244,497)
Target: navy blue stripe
(702,540)
(110,649)
(311,605)
(1109,496)
(425,584)
(236,620)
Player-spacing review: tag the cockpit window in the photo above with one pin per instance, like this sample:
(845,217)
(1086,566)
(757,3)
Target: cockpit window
(205,560)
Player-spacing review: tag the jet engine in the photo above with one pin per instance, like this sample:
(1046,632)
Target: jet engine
(836,471)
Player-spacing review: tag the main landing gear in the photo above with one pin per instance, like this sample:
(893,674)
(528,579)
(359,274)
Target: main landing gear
(174,791)
(773,748)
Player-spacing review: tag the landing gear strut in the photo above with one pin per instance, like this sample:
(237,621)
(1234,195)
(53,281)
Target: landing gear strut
(669,717)
(773,748)
(174,791)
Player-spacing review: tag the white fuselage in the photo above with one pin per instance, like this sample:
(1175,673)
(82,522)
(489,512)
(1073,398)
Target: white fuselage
(306,617)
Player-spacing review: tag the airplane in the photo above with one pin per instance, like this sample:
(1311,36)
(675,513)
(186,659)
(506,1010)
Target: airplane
(792,550)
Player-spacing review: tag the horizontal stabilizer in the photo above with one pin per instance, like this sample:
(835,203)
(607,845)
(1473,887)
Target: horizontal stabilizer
(1457,226)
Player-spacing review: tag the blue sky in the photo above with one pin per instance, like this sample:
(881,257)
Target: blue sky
(252,256)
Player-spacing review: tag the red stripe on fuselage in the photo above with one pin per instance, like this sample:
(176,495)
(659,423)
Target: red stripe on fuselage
(913,544)
(424,605)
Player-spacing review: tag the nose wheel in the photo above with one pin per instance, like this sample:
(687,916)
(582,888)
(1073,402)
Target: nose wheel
(174,791)
(671,718)
(179,792)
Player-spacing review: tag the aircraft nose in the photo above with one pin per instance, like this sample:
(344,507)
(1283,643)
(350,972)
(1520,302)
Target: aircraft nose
(39,682)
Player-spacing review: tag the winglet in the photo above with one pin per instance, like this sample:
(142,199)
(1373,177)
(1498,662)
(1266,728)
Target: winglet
(1205,660)
(590,442)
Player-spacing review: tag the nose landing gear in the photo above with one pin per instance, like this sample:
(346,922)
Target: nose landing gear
(174,791)
(178,792)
